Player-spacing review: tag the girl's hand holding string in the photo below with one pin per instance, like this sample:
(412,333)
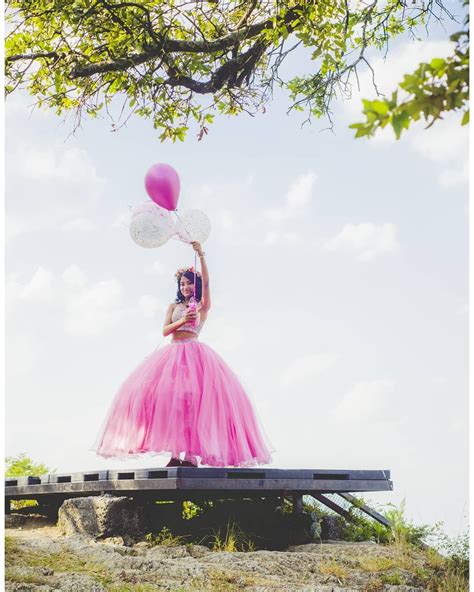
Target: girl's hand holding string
(197,247)
(190,316)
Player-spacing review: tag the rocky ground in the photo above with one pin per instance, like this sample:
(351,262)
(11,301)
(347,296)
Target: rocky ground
(39,558)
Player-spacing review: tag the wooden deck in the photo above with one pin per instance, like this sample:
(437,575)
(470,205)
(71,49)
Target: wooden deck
(179,483)
(165,481)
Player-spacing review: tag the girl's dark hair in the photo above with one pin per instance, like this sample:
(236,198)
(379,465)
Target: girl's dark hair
(190,276)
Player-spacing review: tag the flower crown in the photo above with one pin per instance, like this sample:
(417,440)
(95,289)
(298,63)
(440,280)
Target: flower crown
(182,270)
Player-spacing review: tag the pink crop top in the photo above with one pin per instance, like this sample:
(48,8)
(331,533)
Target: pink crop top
(178,313)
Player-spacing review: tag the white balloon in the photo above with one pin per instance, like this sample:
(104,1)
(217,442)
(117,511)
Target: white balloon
(147,207)
(193,225)
(151,229)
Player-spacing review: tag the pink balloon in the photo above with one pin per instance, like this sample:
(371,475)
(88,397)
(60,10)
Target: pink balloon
(162,185)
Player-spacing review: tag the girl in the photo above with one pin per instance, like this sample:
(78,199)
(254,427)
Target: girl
(183,398)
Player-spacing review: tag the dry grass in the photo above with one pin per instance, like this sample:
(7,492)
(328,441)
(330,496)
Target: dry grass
(63,562)
(333,568)
(165,538)
(375,564)
(233,539)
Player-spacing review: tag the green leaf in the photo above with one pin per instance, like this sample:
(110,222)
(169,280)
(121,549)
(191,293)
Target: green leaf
(465,118)
(399,122)
(380,107)
(437,63)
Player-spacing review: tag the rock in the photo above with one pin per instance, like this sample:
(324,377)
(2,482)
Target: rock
(315,547)
(401,588)
(101,517)
(170,551)
(198,551)
(332,527)
(79,583)
(14,520)
(141,545)
(24,587)
(117,540)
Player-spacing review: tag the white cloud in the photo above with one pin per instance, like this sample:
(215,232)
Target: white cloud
(446,142)
(21,354)
(156,338)
(86,308)
(150,305)
(365,240)
(94,308)
(22,103)
(74,276)
(224,334)
(53,163)
(40,287)
(227,220)
(155,268)
(306,368)
(366,401)
(297,198)
(121,220)
(49,187)
(454,176)
(389,71)
(274,237)
(458,425)
(79,224)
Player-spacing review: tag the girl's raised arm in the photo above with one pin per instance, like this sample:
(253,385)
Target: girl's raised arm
(206,293)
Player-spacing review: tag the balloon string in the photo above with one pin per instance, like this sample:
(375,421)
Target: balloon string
(195,272)
(182,225)
(195,254)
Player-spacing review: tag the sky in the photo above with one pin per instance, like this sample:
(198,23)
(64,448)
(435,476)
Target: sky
(338,275)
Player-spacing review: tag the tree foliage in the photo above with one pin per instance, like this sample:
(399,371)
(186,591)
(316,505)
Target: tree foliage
(182,61)
(23,466)
(433,89)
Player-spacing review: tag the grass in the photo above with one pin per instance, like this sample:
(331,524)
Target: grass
(63,562)
(132,588)
(333,568)
(409,559)
(451,581)
(375,564)
(165,538)
(27,578)
(231,540)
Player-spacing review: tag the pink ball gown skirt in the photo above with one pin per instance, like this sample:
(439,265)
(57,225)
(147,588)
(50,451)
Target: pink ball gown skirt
(184,398)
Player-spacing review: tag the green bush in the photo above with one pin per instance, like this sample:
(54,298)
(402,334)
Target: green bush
(456,549)
(24,466)
(404,532)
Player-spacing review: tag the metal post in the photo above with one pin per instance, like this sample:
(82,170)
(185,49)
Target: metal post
(7,506)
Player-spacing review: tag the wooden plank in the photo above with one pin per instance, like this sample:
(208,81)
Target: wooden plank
(200,473)
(192,484)
(289,485)
(94,487)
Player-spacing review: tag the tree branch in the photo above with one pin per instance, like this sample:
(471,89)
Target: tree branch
(180,46)
(33,56)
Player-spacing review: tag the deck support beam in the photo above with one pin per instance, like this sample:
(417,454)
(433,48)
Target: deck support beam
(297,503)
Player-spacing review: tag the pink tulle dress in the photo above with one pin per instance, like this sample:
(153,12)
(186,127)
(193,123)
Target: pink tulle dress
(183,398)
